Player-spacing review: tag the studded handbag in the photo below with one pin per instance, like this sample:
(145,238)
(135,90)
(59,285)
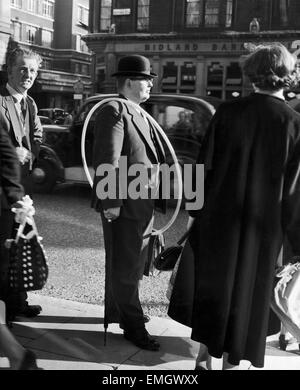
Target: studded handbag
(28,269)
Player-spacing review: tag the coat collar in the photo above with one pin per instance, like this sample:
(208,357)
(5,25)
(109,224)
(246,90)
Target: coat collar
(140,124)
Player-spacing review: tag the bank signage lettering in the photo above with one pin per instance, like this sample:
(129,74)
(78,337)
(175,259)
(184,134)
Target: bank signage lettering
(210,47)
(193,47)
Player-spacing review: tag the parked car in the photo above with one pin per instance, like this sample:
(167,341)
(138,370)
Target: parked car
(45,120)
(57,115)
(60,158)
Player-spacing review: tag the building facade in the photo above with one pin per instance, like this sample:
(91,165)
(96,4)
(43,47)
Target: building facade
(195,46)
(53,28)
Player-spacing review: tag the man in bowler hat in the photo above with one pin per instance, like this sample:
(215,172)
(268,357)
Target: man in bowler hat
(122,131)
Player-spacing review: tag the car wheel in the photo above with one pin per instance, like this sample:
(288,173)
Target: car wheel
(44,177)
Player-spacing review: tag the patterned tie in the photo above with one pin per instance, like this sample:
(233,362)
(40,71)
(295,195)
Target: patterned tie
(23,107)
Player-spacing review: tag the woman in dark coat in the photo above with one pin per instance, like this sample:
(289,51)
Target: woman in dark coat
(251,154)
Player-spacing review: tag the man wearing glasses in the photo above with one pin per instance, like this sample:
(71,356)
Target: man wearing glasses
(18,115)
(122,132)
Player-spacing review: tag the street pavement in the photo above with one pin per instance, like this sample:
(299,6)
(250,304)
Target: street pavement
(69,335)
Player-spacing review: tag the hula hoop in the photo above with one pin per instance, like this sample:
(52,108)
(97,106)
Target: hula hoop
(166,139)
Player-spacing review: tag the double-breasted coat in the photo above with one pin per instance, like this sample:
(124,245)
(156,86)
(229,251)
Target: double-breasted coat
(252,202)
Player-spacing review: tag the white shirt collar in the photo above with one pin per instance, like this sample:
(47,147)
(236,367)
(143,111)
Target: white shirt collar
(15,94)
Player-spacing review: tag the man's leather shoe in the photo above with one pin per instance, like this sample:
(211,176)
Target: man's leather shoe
(145,317)
(142,339)
(30,311)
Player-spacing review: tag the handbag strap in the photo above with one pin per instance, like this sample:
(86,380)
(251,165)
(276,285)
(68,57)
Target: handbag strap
(33,232)
(186,234)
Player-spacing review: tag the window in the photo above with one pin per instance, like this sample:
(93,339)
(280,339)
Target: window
(31,33)
(224,80)
(199,12)
(105,21)
(46,64)
(83,15)
(81,45)
(85,69)
(32,6)
(229,10)
(77,68)
(16,27)
(48,8)
(194,13)
(143,15)
(47,38)
(280,13)
(212,13)
(16,3)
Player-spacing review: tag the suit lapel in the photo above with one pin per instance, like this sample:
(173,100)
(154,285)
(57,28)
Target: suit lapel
(12,116)
(142,127)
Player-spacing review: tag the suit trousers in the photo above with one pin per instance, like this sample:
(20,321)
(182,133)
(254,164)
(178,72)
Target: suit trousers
(15,302)
(126,252)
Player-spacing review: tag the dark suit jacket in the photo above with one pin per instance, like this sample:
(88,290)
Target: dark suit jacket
(10,188)
(121,131)
(9,121)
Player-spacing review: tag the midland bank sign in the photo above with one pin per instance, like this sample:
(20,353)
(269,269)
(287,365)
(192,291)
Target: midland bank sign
(209,47)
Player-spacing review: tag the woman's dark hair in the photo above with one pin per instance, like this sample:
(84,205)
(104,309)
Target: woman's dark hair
(271,67)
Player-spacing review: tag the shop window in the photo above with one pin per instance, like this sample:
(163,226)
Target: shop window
(31,34)
(224,80)
(169,80)
(105,21)
(215,75)
(179,77)
(16,3)
(17,31)
(212,13)
(143,14)
(234,75)
(188,78)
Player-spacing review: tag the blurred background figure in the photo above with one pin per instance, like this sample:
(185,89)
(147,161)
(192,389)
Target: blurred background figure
(10,191)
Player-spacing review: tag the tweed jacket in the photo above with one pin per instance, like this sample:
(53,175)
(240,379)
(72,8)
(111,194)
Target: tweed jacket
(10,123)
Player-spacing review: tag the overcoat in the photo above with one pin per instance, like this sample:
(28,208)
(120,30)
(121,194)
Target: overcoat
(251,154)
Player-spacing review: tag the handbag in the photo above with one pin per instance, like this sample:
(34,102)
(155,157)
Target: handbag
(167,258)
(285,301)
(28,269)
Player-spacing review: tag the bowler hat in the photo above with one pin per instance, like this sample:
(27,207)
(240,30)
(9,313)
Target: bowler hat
(134,65)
